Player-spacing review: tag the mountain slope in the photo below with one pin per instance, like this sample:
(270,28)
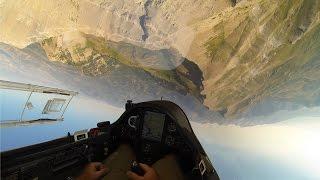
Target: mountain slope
(32,66)
(260,50)
(94,56)
(149,23)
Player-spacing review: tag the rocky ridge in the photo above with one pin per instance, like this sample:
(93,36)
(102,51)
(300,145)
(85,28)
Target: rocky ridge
(259,50)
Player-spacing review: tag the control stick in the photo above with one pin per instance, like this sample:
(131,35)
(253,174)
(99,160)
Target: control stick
(136,168)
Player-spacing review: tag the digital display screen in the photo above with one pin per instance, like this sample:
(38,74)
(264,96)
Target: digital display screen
(153,125)
(81,136)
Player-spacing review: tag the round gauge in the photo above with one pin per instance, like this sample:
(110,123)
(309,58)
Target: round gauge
(171,127)
(132,121)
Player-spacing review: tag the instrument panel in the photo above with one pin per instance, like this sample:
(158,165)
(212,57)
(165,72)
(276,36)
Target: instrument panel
(153,134)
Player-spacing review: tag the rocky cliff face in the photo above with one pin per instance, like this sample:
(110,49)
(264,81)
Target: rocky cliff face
(250,53)
(153,24)
(260,50)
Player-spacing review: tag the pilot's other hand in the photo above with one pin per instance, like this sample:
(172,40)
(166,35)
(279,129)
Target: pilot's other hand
(93,171)
(150,173)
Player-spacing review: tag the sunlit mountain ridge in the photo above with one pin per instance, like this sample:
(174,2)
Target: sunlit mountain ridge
(261,50)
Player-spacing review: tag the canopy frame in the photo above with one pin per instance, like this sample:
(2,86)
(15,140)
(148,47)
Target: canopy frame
(32,89)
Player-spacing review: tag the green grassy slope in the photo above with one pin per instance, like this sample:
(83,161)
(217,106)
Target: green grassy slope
(94,56)
(269,49)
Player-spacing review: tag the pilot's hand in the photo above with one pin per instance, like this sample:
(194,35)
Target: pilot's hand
(93,171)
(150,173)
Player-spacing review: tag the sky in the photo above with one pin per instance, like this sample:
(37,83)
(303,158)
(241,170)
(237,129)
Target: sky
(80,115)
(286,150)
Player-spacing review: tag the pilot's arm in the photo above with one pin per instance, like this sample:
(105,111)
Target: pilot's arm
(96,170)
(150,173)
(93,171)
